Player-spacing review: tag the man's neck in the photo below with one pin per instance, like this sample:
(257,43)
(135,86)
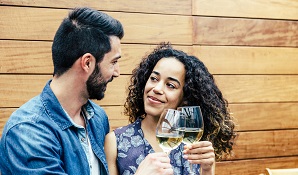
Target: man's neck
(69,95)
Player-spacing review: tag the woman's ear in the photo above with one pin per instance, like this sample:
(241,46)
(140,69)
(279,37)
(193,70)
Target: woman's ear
(183,102)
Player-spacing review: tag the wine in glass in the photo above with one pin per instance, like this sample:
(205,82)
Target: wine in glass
(170,130)
(194,126)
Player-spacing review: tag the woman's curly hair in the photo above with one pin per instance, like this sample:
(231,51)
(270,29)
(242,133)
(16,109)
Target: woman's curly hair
(199,90)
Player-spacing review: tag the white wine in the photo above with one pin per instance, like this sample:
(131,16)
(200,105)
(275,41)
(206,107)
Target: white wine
(192,135)
(169,141)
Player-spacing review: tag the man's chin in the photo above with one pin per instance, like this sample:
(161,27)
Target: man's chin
(97,96)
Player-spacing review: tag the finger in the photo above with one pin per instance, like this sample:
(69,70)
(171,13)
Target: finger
(203,162)
(201,150)
(200,156)
(168,172)
(198,145)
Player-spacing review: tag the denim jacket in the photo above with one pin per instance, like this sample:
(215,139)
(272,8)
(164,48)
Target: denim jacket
(39,138)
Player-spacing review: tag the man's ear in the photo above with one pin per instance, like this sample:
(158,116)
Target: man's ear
(87,62)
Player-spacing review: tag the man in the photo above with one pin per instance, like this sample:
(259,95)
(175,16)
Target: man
(61,131)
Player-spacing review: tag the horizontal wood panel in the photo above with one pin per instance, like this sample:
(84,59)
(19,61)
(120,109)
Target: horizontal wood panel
(245,32)
(22,23)
(29,23)
(265,116)
(259,82)
(276,9)
(258,88)
(157,6)
(254,166)
(17,89)
(153,28)
(248,60)
(4,115)
(26,57)
(35,57)
(262,144)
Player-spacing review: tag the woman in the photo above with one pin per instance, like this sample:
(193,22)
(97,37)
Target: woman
(168,78)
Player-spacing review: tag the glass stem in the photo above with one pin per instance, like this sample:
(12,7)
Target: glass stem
(190,167)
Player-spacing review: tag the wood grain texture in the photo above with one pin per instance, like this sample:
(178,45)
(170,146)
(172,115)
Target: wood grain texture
(4,115)
(248,60)
(266,144)
(254,166)
(251,47)
(258,88)
(156,6)
(26,57)
(29,23)
(245,32)
(17,89)
(265,116)
(35,57)
(22,23)
(274,9)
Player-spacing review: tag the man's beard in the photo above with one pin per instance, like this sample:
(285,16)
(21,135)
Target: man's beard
(96,86)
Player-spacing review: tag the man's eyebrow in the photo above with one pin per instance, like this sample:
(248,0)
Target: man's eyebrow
(118,57)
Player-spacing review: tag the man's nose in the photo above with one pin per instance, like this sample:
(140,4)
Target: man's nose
(116,71)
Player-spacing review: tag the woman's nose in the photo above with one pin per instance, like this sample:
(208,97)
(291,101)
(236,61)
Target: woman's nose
(158,89)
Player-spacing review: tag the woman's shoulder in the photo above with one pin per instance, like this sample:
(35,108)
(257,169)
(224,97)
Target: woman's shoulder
(128,129)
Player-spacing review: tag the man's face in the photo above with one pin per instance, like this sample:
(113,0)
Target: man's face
(105,71)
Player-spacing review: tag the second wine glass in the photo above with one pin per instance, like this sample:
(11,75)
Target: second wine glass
(170,129)
(194,127)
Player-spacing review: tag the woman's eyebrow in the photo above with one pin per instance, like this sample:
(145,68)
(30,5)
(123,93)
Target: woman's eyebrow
(170,78)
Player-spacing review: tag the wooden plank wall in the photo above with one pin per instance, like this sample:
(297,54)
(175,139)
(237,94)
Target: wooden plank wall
(250,46)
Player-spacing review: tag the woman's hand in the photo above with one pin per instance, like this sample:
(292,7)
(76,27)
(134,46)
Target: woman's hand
(155,163)
(201,153)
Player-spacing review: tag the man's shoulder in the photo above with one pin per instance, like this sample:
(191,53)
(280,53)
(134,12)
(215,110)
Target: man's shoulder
(29,111)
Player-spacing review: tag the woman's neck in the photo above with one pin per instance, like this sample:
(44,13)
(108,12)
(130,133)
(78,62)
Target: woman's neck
(148,126)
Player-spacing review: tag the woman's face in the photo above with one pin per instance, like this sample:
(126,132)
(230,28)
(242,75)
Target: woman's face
(164,88)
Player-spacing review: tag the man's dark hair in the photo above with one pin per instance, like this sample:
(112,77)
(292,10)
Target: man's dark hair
(84,31)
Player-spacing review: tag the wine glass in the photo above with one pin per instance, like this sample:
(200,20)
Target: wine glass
(194,127)
(170,130)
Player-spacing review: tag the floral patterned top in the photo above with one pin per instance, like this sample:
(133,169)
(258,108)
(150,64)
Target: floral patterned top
(132,149)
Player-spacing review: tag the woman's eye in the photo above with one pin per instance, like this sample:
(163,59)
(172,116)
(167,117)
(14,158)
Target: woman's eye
(172,86)
(153,78)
